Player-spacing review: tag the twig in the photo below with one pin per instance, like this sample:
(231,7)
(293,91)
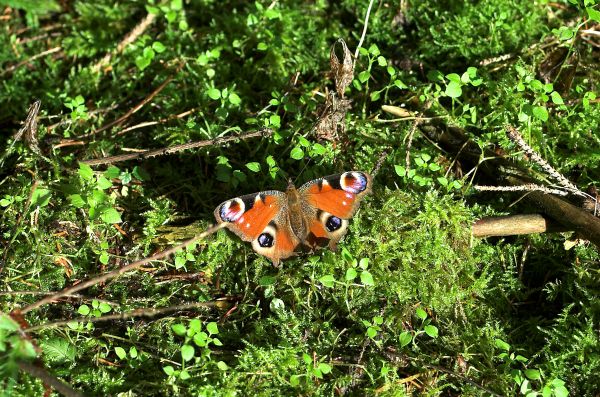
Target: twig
(136,107)
(130,38)
(143,312)
(174,149)
(364,33)
(115,273)
(380,161)
(409,143)
(514,225)
(151,123)
(42,54)
(48,379)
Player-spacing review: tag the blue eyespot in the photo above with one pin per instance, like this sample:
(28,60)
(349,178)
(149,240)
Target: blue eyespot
(265,240)
(354,182)
(333,223)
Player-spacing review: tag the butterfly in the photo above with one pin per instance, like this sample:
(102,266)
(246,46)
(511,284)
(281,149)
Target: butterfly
(278,224)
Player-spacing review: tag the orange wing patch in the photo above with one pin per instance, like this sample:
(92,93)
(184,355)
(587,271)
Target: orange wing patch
(337,202)
(251,224)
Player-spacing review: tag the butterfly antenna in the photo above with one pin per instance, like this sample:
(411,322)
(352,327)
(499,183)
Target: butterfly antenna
(303,169)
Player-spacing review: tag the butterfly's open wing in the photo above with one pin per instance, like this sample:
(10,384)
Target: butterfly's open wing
(335,198)
(262,219)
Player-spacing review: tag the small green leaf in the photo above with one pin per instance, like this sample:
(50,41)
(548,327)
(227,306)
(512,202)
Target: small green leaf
(400,170)
(212,328)
(112,172)
(502,345)
(364,76)
(366,278)
(351,274)
(179,329)
(121,353)
(187,352)
(110,215)
(556,98)
(184,374)
(158,47)
(540,112)
(222,366)
(533,374)
(297,153)
(85,172)
(422,314)
(254,166)
(405,338)
(371,332)
(294,380)
(593,14)
(40,197)
(84,310)
(169,370)
(213,93)
(104,183)
(142,62)
(431,330)
(324,368)
(104,307)
(234,99)
(262,46)
(327,280)
(453,89)
(133,353)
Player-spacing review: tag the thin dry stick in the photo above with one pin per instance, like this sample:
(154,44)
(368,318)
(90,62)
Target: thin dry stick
(144,312)
(11,69)
(409,143)
(174,149)
(117,272)
(136,107)
(364,33)
(48,379)
(151,123)
(514,135)
(130,38)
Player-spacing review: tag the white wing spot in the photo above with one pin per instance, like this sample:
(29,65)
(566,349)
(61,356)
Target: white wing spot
(344,203)
(247,224)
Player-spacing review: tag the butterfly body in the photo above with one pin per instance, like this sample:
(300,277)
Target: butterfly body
(312,216)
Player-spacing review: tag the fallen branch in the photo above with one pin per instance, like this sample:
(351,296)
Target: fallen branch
(511,225)
(117,272)
(48,379)
(174,149)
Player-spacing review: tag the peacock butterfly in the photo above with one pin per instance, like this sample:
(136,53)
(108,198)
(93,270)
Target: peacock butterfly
(280,223)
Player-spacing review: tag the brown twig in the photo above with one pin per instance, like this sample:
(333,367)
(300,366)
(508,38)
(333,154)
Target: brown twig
(42,54)
(143,312)
(117,272)
(529,187)
(514,225)
(130,38)
(174,149)
(136,107)
(48,379)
